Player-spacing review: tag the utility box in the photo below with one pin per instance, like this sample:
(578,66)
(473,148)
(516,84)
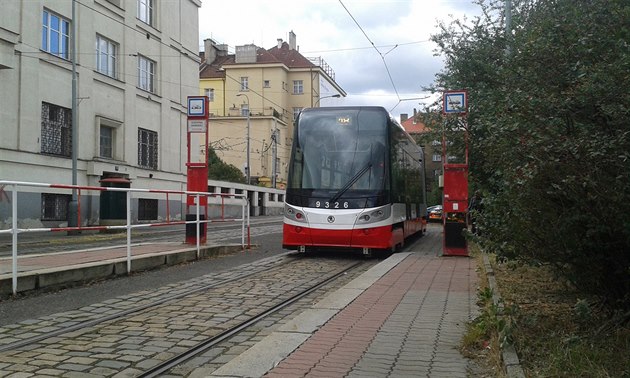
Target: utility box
(455,209)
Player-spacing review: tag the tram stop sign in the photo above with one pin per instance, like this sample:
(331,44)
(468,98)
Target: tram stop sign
(455,102)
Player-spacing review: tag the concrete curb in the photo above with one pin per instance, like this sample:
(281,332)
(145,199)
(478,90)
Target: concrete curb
(54,278)
(511,363)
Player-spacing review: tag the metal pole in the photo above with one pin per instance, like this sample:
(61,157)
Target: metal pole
(14,238)
(248,127)
(274,140)
(508,25)
(73,205)
(128,232)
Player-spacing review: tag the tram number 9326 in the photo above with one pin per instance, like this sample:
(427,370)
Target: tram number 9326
(334,205)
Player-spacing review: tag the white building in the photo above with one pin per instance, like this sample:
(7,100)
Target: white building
(137,61)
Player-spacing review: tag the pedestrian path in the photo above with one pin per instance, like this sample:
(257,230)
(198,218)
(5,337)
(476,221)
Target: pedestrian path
(403,318)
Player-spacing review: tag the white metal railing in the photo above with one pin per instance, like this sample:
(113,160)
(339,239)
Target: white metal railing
(15,230)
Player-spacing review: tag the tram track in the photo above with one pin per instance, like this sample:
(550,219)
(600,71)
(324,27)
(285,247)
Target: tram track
(173,328)
(210,342)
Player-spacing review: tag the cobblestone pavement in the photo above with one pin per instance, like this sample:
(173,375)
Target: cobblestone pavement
(139,341)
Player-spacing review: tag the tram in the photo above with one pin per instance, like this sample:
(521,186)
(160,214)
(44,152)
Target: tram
(356,180)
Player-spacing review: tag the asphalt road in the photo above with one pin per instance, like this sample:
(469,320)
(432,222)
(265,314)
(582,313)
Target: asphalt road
(266,237)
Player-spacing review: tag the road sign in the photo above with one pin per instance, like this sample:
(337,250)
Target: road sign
(196,125)
(455,102)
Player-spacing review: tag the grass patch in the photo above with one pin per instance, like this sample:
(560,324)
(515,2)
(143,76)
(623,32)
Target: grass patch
(556,331)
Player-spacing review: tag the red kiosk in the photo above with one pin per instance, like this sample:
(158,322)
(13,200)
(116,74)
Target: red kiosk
(197,172)
(455,201)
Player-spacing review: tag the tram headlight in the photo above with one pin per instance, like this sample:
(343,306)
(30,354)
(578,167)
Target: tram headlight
(375,215)
(294,214)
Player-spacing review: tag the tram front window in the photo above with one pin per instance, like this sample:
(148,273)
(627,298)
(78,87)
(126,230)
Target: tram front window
(334,160)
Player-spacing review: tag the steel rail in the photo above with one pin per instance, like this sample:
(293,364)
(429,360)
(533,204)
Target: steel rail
(123,313)
(209,343)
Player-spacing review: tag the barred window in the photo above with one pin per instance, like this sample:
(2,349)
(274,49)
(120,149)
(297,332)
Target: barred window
(147,148)
(147,209)
(56,130)
(55,206)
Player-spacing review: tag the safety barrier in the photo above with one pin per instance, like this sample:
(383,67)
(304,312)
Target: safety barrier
(13,186)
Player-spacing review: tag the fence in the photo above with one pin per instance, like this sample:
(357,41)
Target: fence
(14,230)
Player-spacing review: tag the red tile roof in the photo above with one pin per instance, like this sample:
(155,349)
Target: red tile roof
(412,127)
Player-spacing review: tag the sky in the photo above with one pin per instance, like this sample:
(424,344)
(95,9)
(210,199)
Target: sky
(379,49)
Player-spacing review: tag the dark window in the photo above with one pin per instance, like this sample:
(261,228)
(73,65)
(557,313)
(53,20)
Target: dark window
(106,143)
(147,148)
(147,209)
(56,130)
(55,206)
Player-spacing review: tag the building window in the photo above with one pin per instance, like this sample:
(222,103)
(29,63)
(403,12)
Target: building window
(298,87)
(147,148)
(244,110)
(55,206)
(56,130)
(106,56)
(107,142)
(55,34)
(145,11)
(209,92)
(244,83)
(266,84)
(146,74)
(147,209)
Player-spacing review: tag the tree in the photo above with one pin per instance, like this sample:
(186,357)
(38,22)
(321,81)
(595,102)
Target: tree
(218,170)
(550,134)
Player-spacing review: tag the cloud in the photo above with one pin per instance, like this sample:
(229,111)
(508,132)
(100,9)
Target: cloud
(379,49)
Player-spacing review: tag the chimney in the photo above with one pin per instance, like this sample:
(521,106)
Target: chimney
(292,41)
(279,43)
(209,51)
(223,49)
(403,117)
(415,116)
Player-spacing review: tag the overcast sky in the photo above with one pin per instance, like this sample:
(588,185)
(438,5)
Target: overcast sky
(400,30)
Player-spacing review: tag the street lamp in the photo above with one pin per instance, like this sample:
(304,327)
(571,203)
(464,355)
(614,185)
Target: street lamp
(319,99)
(248,111)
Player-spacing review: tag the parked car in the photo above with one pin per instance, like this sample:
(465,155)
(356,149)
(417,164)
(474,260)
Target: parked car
(434,213)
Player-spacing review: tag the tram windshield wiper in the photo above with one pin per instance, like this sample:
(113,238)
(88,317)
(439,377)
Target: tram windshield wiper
(351,182)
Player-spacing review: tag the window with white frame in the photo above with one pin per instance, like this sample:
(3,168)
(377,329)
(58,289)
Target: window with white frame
(147,148)
(244,83)
(106,56)
(209,92)
(244,110)
(56,137)
(146,74)
(145,11)
(267,84)
(55,34)
(298,87)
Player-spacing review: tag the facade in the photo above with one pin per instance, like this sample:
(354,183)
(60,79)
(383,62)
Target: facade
(137,62)
(273,85)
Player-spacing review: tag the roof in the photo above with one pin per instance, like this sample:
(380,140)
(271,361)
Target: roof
(412,127)
(284,55)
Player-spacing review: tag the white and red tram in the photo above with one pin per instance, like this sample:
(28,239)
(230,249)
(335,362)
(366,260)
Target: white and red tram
(356,180)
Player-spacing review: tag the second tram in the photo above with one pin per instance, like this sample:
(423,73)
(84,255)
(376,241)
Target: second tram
(356,180)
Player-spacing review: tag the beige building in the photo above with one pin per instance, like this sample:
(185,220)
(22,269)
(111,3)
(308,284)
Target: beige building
(137,62)
(273,85)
